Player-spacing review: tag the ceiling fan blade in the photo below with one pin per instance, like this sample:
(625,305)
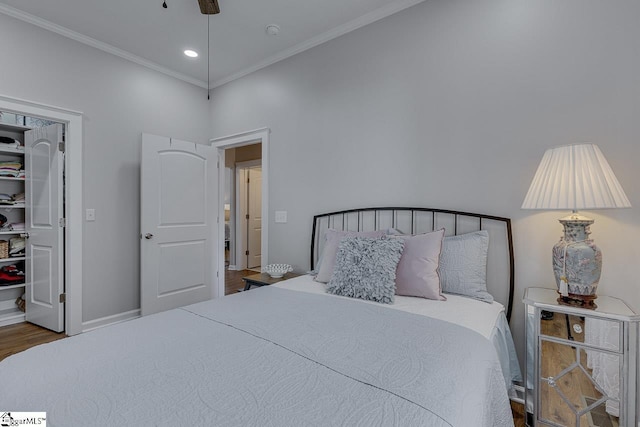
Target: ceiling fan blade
(209,7)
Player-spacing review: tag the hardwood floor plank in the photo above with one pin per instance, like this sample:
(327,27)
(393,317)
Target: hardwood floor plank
(233,280)
(518,414)
(21,336)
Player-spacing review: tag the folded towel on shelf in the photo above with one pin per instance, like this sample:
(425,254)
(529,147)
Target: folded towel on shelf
(11,165)
(6,199)
(11,169)
(8,141)
(12,200)
(16,246)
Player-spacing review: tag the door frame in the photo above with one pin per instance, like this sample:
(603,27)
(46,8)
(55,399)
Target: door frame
(232,141)
(72,199)
(241,236)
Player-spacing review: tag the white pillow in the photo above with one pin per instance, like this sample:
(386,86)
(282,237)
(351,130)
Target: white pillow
(463,265)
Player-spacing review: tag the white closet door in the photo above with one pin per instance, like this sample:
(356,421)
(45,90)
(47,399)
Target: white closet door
(178,210)
(254,221)
(44,246)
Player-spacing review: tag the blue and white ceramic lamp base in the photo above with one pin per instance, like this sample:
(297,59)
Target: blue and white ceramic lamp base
(577,263)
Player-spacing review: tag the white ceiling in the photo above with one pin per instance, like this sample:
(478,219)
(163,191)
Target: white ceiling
(146,33)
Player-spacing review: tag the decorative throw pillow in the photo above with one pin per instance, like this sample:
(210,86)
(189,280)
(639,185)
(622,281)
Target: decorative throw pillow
(417,272)
(332,240)
(366,268)
(463,265)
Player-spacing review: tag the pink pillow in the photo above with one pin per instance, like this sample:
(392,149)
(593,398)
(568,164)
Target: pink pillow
(417,272)
(332,240)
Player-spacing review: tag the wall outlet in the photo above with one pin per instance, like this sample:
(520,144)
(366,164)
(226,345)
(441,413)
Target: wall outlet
(90,215)
(281,217)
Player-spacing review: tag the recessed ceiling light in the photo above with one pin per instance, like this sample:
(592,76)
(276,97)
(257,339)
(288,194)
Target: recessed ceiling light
(191,53)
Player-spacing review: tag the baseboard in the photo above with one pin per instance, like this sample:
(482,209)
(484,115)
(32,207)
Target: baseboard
(110,320)
(232,267)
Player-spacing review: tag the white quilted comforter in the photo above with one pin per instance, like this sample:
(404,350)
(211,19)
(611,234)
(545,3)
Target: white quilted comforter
(268,357)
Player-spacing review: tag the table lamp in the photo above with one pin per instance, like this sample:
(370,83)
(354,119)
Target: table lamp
(575,177)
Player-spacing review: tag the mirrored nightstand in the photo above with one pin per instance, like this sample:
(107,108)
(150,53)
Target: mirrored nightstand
(581,364)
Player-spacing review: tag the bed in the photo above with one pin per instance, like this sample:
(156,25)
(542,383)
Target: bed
(291,354)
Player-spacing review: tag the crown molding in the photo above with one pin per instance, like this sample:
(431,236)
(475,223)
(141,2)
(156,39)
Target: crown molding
(63,31)
(21,102)
(338,31)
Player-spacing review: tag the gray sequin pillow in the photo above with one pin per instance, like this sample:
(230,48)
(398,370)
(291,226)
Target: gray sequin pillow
(366,268)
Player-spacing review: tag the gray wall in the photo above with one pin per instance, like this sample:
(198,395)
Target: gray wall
(120,100)
(451,104)
(447,104)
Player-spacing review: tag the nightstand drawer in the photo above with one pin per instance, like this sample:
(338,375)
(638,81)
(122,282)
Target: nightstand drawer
(593,332)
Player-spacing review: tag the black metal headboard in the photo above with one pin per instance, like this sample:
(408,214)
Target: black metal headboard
(500,268)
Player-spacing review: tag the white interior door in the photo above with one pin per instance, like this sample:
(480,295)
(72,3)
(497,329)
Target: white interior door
(254,220)
(44,246)
(178,210)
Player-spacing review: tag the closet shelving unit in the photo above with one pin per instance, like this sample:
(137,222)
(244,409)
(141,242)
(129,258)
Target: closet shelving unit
(9,312)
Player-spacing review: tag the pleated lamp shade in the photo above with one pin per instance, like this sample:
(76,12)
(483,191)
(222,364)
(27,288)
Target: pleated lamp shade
(574,177)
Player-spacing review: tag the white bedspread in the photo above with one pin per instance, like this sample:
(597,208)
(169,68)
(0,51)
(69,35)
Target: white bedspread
(476,315)
(268,357)
(486,319)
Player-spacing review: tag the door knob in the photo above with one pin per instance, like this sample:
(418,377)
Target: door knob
(148,236)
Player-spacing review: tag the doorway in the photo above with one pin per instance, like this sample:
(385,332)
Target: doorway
(245,153)
(243,207)
(71,220)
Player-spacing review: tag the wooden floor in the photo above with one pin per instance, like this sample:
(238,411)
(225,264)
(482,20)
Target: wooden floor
(19,337)
(233,280)
(518,414)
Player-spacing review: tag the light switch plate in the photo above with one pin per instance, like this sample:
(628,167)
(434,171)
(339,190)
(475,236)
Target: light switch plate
(281,217)
(90,215)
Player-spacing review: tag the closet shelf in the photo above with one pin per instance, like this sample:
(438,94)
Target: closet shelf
(12,150)
(17,285)
(16,206)
(9,178)
(12,232)
(13,127)
(10,259)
